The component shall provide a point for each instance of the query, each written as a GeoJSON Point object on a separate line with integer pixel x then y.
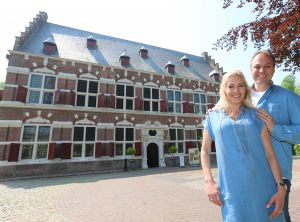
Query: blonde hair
{"type": "Point", "coordinates": [224, 102]}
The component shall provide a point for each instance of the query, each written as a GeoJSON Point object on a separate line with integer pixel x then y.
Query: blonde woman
{"type": "Point", "coordinates": [250, 186]}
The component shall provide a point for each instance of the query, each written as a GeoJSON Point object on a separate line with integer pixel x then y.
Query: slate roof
{"type": "Point", "coordinates": [71, 44]}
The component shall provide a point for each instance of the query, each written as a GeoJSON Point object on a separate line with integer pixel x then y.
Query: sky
{"type": "Point", "coordinates": [188, 26]}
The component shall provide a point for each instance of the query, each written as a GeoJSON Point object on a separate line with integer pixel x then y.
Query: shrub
{"type": "Point", "coordinates": [297, 149]}
{"type": "Point", "coordinates": [131, 151]}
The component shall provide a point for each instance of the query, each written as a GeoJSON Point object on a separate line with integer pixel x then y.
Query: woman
{"type": "Point", "coordinates": [250, 186]}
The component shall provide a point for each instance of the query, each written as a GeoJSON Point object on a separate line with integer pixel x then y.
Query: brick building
{"type": "Point", "coordinates": [75, 101]}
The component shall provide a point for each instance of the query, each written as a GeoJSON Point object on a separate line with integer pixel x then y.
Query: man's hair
{"type": "Point", "coordinates": [265, 52]}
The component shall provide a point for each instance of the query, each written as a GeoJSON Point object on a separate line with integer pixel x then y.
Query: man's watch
{"type": "Point", "coordinates": [280, 184]}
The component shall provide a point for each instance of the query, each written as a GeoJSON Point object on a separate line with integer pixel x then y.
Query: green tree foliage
{"type": "Point", "coordinates": [1, 85]}
{"type": "Point", "coordinates": [289, 82]}
{"type": "Point", "coordinates": [277, 26]}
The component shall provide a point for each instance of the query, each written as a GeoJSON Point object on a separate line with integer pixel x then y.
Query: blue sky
{"type": "Point", "coordinates": [190, 26]}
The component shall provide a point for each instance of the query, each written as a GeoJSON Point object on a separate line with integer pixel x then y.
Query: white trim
{"type": "Point", "coordinates": [124, 123]}
{"type": "Point", "coordinates": [15, 69]}
{"type": "Point", "coordinates": [88, 75]}
{"type": "Point", "coordinates": [62, 124]}
{"type": "Point", "coordinates": [106, 80]}
{"type": "Point", "coordinates": [38, 119]}
{"type": "Point", "coordinates": [10, 123]}
{"type": "Point", "coordinates": [150, 84]}
{"type": "Point", "coordinates": [43, 70]}
{"type": "Point", "coordinates": [126, 81]}
{"type": "Point", "coordinates": [187, 91]}
{"type": "Point", "coordinates": [67, 75]}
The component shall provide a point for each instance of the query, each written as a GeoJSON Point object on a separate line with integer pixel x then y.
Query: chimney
{"type": "Point", "coordinates": [91, 42]}
{"type": "Point", "coordinates": [49, 46]}
{"type": "Point", "coordinates": [170, 67]}
{"type": "Point", "coordinates": [124, 58]}
{"type": "Point", "coordinates": [215, 76]}
{"type": "Point", "coordinates": [143, 52]}
{"type": "Point", "coordinates": [185, 61]}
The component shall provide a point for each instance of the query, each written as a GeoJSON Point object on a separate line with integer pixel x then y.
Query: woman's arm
{"type": "Point", "coordinates": [277, 198]}
{"type": "Point", "coordinates": [211, 186]}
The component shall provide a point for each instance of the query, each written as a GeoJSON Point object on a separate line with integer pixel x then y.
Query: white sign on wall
{"type": "Point", "coordinates": [194, 157]}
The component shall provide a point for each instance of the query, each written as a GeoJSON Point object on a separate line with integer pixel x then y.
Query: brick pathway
{"type": "Point", "coordinates": [169, 194]}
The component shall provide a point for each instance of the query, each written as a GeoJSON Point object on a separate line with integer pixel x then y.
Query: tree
{"type": "Point", "coordinates": [277, 26]}
{"type": "Point", "coordinates": [1, 85]}
{"type": "Point", "coordinates": [289, 82]}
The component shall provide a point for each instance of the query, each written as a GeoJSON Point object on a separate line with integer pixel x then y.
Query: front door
{"type": "Point", "coordinates": [152, 155]}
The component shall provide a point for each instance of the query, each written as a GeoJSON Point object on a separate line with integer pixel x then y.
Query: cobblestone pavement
{"type": "Point", "coordinates": [153, 195]}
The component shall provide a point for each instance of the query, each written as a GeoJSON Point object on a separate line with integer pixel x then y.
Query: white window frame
{"type": "Point", "coordinates": [151, 100]}
{"type": "Point", "coordinates": [35, 143]}
{"type": "Point", "coordinates": [83, 143]}
{"type": "Point", "coordinates": [200, 104]}
{"type": "Point", "coordinates": [124, 142]}
{"type": "Point", "coordinates": [125, 98]}
{"type": "Point", "coordinates": [174, 102]}
{"type": "Point", "coordinates": [87, 94]}
{"type": "Point", "coordinates": [42, 89]}
{"type": "Point", "coordinates": [177, 141]}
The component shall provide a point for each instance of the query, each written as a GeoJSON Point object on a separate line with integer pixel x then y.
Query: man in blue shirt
{"type": "Point", "coordinates": [280, 111]}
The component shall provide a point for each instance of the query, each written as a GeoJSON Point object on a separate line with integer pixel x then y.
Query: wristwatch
{"type": "Point", "coordinates": [281, 184]}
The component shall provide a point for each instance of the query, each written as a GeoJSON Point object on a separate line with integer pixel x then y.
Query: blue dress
{"type": "Point", "coordinates": [245, 179]}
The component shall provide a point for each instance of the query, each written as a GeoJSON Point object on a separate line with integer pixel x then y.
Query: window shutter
{"type": "Point", "coordinates": [98, 150]}
{"type": "Point", "coordinates": [185, 107]}
{"type": "Point", "coordinates": [166, 145]}
{"type": "Point", "coordinates": [71, 98]}
{"type": "Point", "coordinates": [51, 154]}
{"type": "Point", "coordinates": [112, 102]}
{"type": "Point", "coordinates": [191, 108]}
{"type": "Point", "coordinates": [57, 97]}
{"type": "Point", "coordinates": [21, 94]}
{"type": "Point", "coordinates": [101, 100]}
{"type": "Point", "coordinates": [66, 150]}
{"type": "Point", "coordinates": [14, 152]}
{"type": "Point", "coordinates": [138, 147]}
{"type": "Point", "coordinates": [163, 106]}
{"type": "Point", "coordinates": [111, 149]}
{"type": "Point", "coordinates": [138, 103]}
{"type": "Point", "coordinates": [188, 145]}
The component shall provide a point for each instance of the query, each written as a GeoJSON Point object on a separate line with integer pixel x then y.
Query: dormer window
{"type": "Point", "coordinates": [215, 76]}
{"type": "Point", "coordinates": [124, 58]}
{"type": "Point", "coordinates": [170, 67]}
{"type": "Point", "coordinates": [91, 42]}
{"type": "Point", "coordinates": [143, 52]}
{"type": "Point", "coordinates": [185, 60]}
{"type": "Point", "coordinates": [49, 46]}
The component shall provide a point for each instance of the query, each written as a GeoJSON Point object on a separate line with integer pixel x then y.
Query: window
{"type": "Point", "coordinates": [124, 97]}
{"type": "Point", "coordinates": [174, 101]}
{"type": "Point", "coordinates": [177, 138]}
{"type": "Point", "coordinates": [124, 138]}
{"type": "Point", "coordinates": [83, 141]}
{"type": "Point", "coordinates": [87, 91]}
{"type": "Point", "coordinates": [199, 133]}
{"type": "Point", "coordinates": [151, 99]}
{"type": "Point", "coordinates": [200, 103]}
{"type": "Point", "coordinates": [41, 89]}
{"type": "Point", "coordinates": [35, 142]}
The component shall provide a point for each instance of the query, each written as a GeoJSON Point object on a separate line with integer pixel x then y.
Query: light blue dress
{"type": "Point", "coordinates": [245, 179]}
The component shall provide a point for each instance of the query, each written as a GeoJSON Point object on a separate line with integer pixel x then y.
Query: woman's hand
{"type": "Point", "coordinates": [213, 193]}
{"type": "Point", "coordinates": [278, 199]}
{"type": "Point", "coordinates": [266, 118]}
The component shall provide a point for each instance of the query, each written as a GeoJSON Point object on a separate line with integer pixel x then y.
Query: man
{"type": "Point", "coordinates": [280, 110]}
